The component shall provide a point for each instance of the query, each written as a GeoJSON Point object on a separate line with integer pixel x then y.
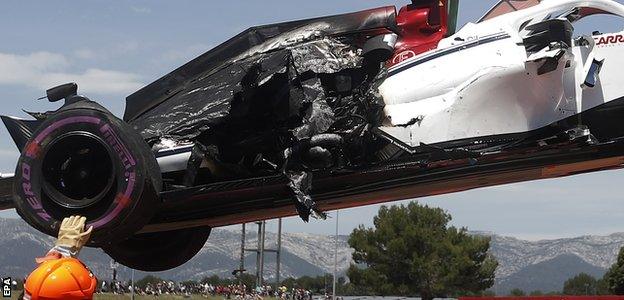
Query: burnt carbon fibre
{"type": "Point", "coordinates": [167, 86]}
{"type": "Point", "coordinates": [238, 201]}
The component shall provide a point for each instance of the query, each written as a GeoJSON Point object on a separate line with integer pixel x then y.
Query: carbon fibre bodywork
{"type": "Point", "coordinates": [370, 21]}
{"type": "Point", "coordinates": [546, 153]}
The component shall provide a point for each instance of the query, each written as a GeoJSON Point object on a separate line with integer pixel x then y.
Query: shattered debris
{"type": "Point", "coordinates": [318, 116]}
{"type": "Point", "coordinates": [325, 56]}
{"type": "Point", "coordinates": [306, 107]}
{"type": "Point", "coordinates": [300, 183]}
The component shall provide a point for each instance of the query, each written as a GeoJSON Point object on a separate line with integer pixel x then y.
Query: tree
{"type": "Point", "coordinates": [212, 280]}
{"type": "Point", "coordinates": [614, 279]}
{"type": "Point", "coordinates": [517, 292]}
{"type": "Point", "coordinates": [247, 279]}
{"type": "Point", "coordinates": [289, 282]}
{"type": "Point", "coordinates": [189, 283]}
{"type": "Point", "coordinates": [536, 293]}
{"type": "Point", "coordinates": [412, 251]}
{"type": "Point", "coordinates": [602, 287]}
{"type": "Point", "coordinates": [318, 284]}
{"type": "Point", "coordinates": [581, 284]}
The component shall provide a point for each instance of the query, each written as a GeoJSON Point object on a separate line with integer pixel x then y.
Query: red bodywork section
{"type": "Point", "coordinates": [421, 27]}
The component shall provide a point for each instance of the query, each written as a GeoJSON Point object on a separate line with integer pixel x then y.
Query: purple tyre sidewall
{"type": "Point", "coordinates": [34, 206]}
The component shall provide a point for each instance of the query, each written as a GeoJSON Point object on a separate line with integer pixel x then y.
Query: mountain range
{"type": "Point", "coordinates": [528, 265]}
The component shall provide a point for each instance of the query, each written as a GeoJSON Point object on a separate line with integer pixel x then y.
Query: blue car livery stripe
{"type": "Point", "coordinates": [436, 54]}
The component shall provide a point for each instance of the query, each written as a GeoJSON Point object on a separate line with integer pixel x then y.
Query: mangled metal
{"type": "Point", "coordinates": [269, 38]}
{"type": "Point", "coordinates": [305, 98]}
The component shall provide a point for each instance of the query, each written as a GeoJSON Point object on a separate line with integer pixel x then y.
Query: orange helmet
{"type": "Point", "coordinates": [65, 278]}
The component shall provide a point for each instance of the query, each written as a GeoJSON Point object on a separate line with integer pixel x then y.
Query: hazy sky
{"type": "Point", "coordinates": [112, 48]}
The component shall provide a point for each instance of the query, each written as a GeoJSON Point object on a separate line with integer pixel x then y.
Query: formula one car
{"type": "Point", "coordinates": [334, 112]}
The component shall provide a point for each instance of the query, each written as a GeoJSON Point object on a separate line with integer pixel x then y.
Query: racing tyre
{"type": "Point", "coordinates": [84, 161]}
{"type": "Point", "coordinates": [153, 252]}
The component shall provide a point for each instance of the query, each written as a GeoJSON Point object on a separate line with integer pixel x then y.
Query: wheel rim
{"type": "Point", "coordinates": [77, 170]}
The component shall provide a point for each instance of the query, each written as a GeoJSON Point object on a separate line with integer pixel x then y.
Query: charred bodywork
{"type": "Point", "coordinates": [335, 112]}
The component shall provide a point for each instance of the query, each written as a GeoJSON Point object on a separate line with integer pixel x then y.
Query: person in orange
{"type": "Point", "coordinates": [60, 275]}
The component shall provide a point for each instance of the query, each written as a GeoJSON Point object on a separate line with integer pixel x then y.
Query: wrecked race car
{"type": "Point", "coordinates": [335, 112]}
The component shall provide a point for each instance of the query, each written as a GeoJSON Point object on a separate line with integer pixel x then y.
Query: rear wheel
{"type": "Point", "coordinates": [84, 161]}
{"type": "Point", "coordinates": [153, 252]}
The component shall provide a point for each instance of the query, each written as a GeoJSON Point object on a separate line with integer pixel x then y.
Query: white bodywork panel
{"type": "Point", "coordinates": [481, 81]}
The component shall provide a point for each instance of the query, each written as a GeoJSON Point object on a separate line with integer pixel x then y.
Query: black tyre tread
{"type": "Point", "coordinates": [161, 251]}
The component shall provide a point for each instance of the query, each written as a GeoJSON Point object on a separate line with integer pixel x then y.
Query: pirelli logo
{"type": "Point", "coordinates": [113, 140]}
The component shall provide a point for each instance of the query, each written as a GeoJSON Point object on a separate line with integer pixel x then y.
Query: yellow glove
{"type": "Point", "coordinates": [72, 234]}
